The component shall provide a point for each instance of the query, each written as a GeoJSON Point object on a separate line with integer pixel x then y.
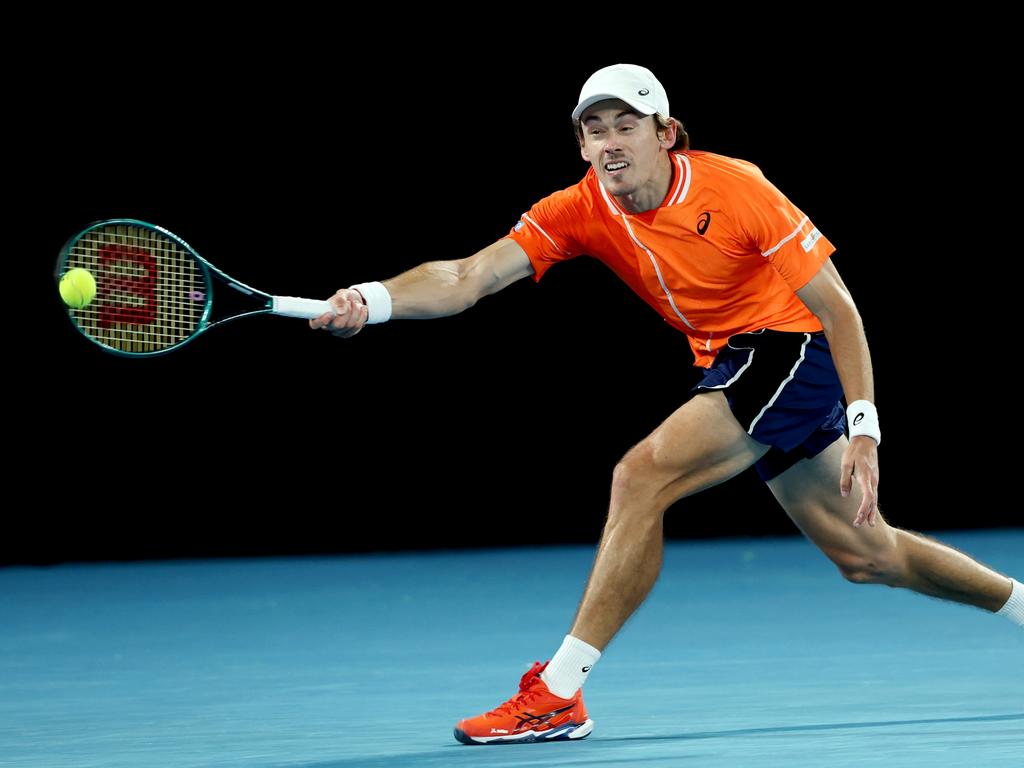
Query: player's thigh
{"type": "Point", "coordinates": [701, 444]}
{"type": "Point", "coordinates": [809, 492]}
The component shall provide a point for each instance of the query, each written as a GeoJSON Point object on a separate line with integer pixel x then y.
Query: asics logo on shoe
{"type": "Point", "coordinates": [586, 668]}
{"type": "Point", "coordinates": [527, 719]}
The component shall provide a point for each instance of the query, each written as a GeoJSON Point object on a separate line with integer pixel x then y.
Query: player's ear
{"type": "Point", "coordinates": [583, 151]}
{"type": "Point", "coordinates": [667, 136]}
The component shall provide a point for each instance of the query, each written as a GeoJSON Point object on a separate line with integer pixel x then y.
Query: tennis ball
{"type": "Point", "coordinates": [77, 287]}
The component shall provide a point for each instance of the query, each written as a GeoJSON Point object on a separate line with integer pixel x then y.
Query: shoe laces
{"type": "Point", "coordinates": [528, 690]}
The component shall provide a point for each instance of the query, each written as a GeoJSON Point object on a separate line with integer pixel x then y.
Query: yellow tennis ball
{"type": "Point", "coordinates": [77, 287]}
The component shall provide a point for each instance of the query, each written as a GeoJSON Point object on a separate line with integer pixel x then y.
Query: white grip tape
{"type": "Point", "coordinates": [377, 300]}
{"type": "Point", "coordinates": [862, 417]}
{"type": "Point", "coordinates": [292, 306]}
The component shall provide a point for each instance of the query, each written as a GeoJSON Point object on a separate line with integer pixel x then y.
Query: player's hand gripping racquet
{"type": "Point", "coordinates": [154, 293]}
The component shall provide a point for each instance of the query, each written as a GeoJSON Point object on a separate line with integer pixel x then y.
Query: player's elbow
{"type": "Point", "coordinates": [476, 279]}
{"type": "Point", "coordinates": [449, 286]}
{"type": "Point", "coordinates": [839, 313]}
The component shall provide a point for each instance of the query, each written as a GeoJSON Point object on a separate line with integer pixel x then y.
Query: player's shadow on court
{"type": "Point", "coordinates": [820, 727]}
{"type": "Point", "coordinates": [552, 754]}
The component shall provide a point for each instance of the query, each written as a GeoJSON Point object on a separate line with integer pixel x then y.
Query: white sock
{"type": "Point", "coordinates": [569, 667]}
{"type": "Point", "coordinates": [1014, 608]}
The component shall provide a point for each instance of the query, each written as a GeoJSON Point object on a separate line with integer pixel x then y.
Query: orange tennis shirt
{"type": "Point", "coordinates": [723, 253]}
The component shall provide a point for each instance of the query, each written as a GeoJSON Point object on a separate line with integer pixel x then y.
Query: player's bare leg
{"type": "Point", "coordinates": [698, 446]}
{"type": "Point", "coordinates": [809, 492]}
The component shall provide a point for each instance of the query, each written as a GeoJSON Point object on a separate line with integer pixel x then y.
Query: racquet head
{"type": "Point", "coordinates": [153, 291]}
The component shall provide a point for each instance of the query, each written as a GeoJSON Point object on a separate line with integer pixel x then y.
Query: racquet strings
{"type": "Point", "coordinates": [151, 293]}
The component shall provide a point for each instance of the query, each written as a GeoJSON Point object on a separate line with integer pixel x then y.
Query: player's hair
{"type": "Point", "coordinates": [662, 122]}
{"type": "Point", "coordinates": [682, 137]}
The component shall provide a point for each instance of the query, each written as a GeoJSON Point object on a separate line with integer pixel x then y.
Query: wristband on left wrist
{"type": "Point", "coordinates": [862, 417]}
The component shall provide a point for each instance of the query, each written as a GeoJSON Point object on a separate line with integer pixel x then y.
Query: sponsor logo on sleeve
{"type": "Point", "coordinates": [808, 242]}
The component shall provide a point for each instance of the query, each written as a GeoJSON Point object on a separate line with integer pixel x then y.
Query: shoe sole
{"type": "Point", "coordinates": [568, 732]}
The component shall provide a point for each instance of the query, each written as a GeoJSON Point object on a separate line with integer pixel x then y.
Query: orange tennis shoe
{"type": "Point", "coordinates": [533, 714]}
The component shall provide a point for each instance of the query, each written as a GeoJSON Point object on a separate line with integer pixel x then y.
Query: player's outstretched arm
{"type": "Point", "coordinates": [433, 289]}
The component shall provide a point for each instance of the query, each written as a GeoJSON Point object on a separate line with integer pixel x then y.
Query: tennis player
{"type": "Point", "coordinates": [720, 253]}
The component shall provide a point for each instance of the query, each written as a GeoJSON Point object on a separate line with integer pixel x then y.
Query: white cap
{"type": "Point", "coordinates": [637, 86]}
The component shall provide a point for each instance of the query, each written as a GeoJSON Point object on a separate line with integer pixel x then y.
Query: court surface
{"type": "Point", "coordinates": [747, 653]}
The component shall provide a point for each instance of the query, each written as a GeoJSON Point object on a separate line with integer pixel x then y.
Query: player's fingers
{"type": "Point", "coordinates": [845, 476]}
{"type": "Point", "coordinates": [866, 510]}
{"type": "Point", "coordinates": [862, 513]}
{"type": "Point", "coordinates": [321, 322]}
{"type": "Point", "coordinates": [348, 314]}
{"type": "Point", "coordinates": [866, 514]}
{"type": "Point", "coordinates": [357, 315]}
{"type": "Point", "coordinates": [357, 319]}
{"type": "Point", "coordinates": [341, 304]}
{"type": "Point", "coordinates": [345, 333]}
{"type": "Point", "coordinates": [873, 512]}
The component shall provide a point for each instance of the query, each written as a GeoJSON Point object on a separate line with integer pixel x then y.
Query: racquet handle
{"type": "Point", "coordinates": [292, 306]}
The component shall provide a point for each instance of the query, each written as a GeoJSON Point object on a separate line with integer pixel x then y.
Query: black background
{"type": "Point", "coordinates": [299, 166]}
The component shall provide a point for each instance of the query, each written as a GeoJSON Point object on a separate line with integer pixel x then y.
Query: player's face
{"type": "Point", "coordinates": [622, 147]}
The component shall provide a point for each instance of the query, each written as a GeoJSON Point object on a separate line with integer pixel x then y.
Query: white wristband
{"type": "Point", "coordinates": [863, 419]}
{"type": "Point", "coordinates": [377, 300]}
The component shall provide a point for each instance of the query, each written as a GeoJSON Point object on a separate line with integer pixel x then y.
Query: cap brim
{"type": "Point", "coordinates": [643, 107]}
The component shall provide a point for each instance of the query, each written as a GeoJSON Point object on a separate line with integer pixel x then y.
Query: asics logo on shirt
{"type": "Point", "coordinates": [703, 223]}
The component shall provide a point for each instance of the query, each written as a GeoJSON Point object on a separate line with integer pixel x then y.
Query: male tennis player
{"type": "Point", "coordinates": [727, 259]}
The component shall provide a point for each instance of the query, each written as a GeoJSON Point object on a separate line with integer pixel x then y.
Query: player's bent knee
{"type": "Point", "coordinates": [636, 478]}
{"type": "Point", "coordinates": [860, 569]}
{"type": "Point", "coordinates": [631, 475]}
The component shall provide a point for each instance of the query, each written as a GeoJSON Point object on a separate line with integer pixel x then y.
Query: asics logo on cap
{"type": "Point", "coordinates": [586, 668]}
{"type": "Point", "coordinates": [635, 85]}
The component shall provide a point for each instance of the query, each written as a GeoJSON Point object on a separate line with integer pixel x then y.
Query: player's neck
{"type": "Point", "coordinates": [652, 194]}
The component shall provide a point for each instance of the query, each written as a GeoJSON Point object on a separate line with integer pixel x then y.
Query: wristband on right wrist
{"type": "Point", "coordinates": [377, 300]}
{"type": "Point", "coordinates": [863, 419]}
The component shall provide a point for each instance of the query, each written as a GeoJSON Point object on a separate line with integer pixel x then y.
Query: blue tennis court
{"type": "Point", "coordinates": [748, 653]}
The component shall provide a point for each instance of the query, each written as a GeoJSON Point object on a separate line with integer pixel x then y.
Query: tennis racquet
{"type": "Point", "coordinates": [154, 293]}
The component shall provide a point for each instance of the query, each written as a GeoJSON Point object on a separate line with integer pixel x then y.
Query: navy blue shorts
{"type": "Point", "coordinates": [783, 389]}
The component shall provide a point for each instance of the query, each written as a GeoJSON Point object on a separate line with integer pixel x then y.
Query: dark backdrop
{"type": "Point", "coordinates": [300, 167]}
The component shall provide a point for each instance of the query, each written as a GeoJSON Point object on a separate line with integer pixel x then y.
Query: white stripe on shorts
{"type": "Point", "coordinates": [792, 373]}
